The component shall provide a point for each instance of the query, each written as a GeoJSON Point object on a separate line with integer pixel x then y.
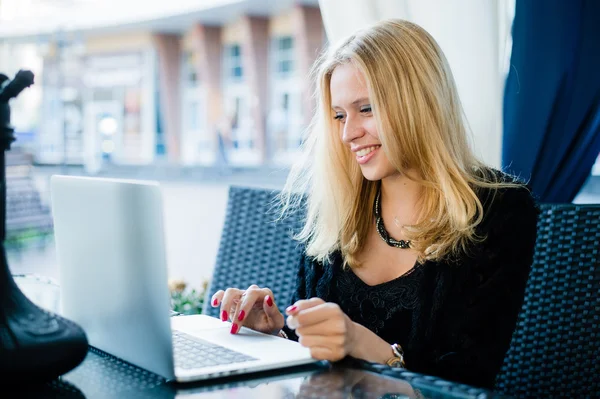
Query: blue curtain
{"type": "Point", "coordinates": [552, 96]}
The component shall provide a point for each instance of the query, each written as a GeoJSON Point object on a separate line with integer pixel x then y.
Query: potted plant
{"type": "Point", "coordinates": [187, 300]}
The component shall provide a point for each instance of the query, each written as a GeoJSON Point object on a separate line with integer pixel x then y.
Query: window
{"type": "Point", "coordinates": [190, 72]}
{"type": "Point", "coordinates": [233, 62]}
{"type": "Point", "coordinates": [283, 56]}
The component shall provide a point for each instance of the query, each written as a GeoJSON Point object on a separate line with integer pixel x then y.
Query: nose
{"type": "Point", "coordinates": [353, 130]}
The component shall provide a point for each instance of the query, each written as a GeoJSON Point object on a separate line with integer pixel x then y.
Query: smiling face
{"type": "Point", "coordinates": [357, 124]}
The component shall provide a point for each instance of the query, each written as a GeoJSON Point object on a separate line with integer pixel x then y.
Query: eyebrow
{"type": "Point", "coordinates": [357, 101]}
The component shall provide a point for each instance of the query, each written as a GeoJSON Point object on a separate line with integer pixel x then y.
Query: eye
{"type": "Point", "coordinates": [366, 109]}
{"type": "Point", "coordinates": [339, 116]}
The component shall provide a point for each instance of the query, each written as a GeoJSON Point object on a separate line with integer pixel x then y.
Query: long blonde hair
{"type": "Point", "coordinates": [421, 126]}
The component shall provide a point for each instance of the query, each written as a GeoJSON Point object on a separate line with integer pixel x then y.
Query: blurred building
{"type": "Point", "coordinates": [191, 84]}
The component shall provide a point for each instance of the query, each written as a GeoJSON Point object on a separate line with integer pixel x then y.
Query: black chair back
{"type": "Point", "coordinates": [256, 248]}
{"type": "Point", "coordinates": [556, 345]}
{"type": "Point", "coordinates": [555, 350]}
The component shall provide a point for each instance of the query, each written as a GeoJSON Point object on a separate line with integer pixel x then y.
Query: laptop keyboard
{"type": "Point", "coordinates": [191, 353]}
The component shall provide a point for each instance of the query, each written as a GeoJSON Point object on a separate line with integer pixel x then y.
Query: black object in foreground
{"type": "Point", "coordinates": [35, 345]}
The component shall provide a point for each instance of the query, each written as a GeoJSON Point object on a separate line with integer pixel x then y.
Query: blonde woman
{"type": "Point", "coordinates": [416, 253]}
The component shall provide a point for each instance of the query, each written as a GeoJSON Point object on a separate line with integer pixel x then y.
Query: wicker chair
{"type": "Point", "coordinates": [255, 248]}
{"type": "Point", "coordinates": [555, 350]}
{"type": "Point", "coordinates": [556, 346]}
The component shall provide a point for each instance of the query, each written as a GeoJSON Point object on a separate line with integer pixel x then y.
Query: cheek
{"type": "Point", "coordinates": [371, 127]}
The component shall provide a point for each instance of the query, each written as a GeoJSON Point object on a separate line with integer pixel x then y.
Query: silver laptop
{"type": "Point", "coordinates": [113, 279]}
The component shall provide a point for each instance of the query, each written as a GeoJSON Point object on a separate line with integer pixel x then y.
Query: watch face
{"type": "Point", "coordinates": [395, 362]}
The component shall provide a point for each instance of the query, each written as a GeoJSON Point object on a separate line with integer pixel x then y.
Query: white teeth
{"type": "Point", "coordinates": [365, 151]}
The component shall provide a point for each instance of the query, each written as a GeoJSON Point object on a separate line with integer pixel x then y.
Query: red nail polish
{"type": "Point", "coordinates": [291, 309]}
{"type": "Point", "coordinates": [224, 316]}
{"type": "Point", "coordinates": [234, 328]}
{"type": "Point", "coordinates": [269, 301]}
{"type": "Point", "coordinates": [215, 301]}
{"type": "Point", "coordinates": [241, 315]}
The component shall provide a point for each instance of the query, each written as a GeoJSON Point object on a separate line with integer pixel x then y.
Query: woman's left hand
{"type": "Point", "coordinates": [323, 328]}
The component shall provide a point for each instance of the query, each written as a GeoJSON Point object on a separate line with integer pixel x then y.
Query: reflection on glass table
{"type": "Point", "coordinates": [338, 381]}
{"type": "Point", "coordinates": [329, 383]}
{"type": "Point", "coordinates": [102, 376]}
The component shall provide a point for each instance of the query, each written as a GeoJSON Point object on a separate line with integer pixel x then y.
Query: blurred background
{"type": "Point", "coordinates": [202, 94]}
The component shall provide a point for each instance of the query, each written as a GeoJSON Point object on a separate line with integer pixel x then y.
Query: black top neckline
{"type": "Point", "coordinates": [406, 274]}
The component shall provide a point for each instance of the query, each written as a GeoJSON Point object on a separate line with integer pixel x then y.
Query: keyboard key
{"type": "Point", "coordinates": [191, 353]}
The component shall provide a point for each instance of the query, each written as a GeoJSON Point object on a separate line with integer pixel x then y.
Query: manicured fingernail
{"type": "Point", "coordinates": [234, 328]}
{"type": "Point", "coordinates": [291, 309]}
{"type": "Point", "coordinates": [215, 302]}
{"type": "Point", "coordinates": [269, 301]}
{"type": "Point", "coordinates": [241, 315]}
{"type": "Point", "coordinates": [224, 316]}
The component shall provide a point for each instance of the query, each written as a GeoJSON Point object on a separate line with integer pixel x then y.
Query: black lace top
{"type": "Point", "coordinates": [386, 309]}
{"type": "Point", "coordinates": [454, 319]}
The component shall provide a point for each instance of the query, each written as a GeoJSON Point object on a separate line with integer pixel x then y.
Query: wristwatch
{"type": "Point", "coordinates": [398, 359]}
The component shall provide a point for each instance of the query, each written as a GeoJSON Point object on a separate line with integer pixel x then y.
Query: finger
{"type": "Point", "coordinates": [252, 295]}
{"type": "Point", "coordinates": [317, 314]}
{"type": "Point", "coordinates": [322, 353]}
{"type": "Point", "coordinates": [217, 298]}
{"type": "Point", "coordinates": [269, 304]}
{"type": "Point", "coordinates": [333, 342]}
{"type": "Point", "coordinates": [313, 315]}
{"type": "Point", "coordinates": [228, 302]}
{"type": "Point", "coordinates": [304, 304]}
{"type": "Point", "coordinates": [327, 327]}
{"type": "Point", "coordinates": [271, 310]}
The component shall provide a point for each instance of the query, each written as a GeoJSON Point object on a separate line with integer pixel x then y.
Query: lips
{"type": "Point", "coordinates": [365, 154]}
{"type": "Point", "coordinates": [365, 151]}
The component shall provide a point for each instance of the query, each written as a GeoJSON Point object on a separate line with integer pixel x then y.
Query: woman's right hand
{"type": "Point", "coordinates": [254, 308]}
